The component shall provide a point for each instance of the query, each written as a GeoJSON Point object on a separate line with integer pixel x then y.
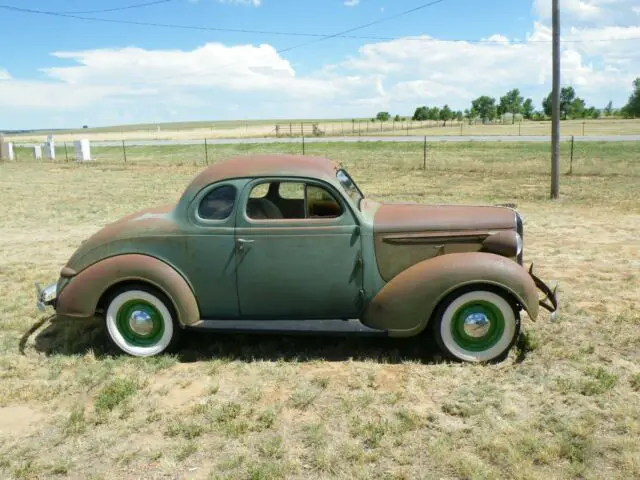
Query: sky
{"type": "Point", "coordinates": [64, 72]}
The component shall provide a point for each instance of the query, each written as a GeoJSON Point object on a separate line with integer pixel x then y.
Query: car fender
{"type": "Point", "coordinates": [405, 304]}
{"type": "Point", "coordinates": [81, 296]}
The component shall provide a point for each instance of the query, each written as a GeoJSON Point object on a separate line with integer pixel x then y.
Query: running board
{"type": "Point", "coordinates": [289, 327]}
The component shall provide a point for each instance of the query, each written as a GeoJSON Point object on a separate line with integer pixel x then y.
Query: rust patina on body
{"type": "Point", "coordinates": [307, 253]}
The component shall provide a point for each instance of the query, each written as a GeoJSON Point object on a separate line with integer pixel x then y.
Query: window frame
{"type": "Point", "coordinates": [347, 215]}
{"type": "Point", "coordinates": [202, 194]}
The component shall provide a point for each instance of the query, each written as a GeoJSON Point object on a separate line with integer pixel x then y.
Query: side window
{"type": "Point", "coordinates": [321, 203]}
{"type": "Point", "coordinates": [218, 203]}
{"type": "Point", "coordinates": [291, 191]}
{"type": "Point", "coordinates": [260, 191]}
{"type": "Point", "coordinates": [291, 200]}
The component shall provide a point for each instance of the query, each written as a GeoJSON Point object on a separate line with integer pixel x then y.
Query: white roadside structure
{"type": "Point", "coordinates": [6, 150]}
{"type": "Point", "coordinates": [83, 150]}
{"type": "Point", "coordinates": [50, 148]}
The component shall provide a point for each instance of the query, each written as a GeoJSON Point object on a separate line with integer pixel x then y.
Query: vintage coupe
{"type": "Point", "coordinates": [290, 244]}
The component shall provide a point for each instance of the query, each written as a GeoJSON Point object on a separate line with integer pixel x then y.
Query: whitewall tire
{"type": "Point", "coordinates": [476, 325]}
{"type": "Point", "coordinates": [140, 321]}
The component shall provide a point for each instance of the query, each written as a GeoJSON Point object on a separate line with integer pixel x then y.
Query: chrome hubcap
{"type": "Point", "coordinates": [140, 322]}
{"type": "Point", "coordinates": [477, 325]}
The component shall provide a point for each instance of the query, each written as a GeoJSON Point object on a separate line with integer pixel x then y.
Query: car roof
{"type": "Point", "coordinates": [266, 166]}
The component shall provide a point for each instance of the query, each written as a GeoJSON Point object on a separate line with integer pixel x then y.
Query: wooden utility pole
{"type": "Point", "coordinates": [555, 102]}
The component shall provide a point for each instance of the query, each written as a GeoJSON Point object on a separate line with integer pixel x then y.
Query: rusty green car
{"type": "Point", "coordinates": [287, 244]}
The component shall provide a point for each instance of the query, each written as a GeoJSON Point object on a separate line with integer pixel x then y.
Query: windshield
{"type": "Point", "coordinates": [350, 187]}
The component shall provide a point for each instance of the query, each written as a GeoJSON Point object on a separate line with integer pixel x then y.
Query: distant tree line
{"type": "Point", "coordinates": [487, 109]}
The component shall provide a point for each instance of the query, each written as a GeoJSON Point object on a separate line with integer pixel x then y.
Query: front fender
{"type": "Point", "coordinates": [80, 297]}
{"type": "Point", "coordinates": [405, 305]}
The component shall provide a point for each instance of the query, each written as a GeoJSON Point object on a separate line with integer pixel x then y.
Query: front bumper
{"type": "Point", "coordinates": [550, 300]}
{"type": "Point", "coordinates": [46, 296]}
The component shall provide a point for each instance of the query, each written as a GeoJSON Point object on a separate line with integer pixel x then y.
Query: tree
{"type": "Point", "coordinates": [383, 116]}
{"type": "Point", "coordinates": [434, 114]}
{"type": "Point", "coordinates": [578, 108]}
{"type": "Point", "coordinates": [632, 108]}
{"type": "Point", "coordinates": [396, 118]}
{"type": "Point", "coordinates": [446, 114]}
{"type": "Point", "coordinates": [608, 110]}
{"type": "Point", "coordinates": [538, 116]}
{"type": "Point", "coordinates": [592, 112]}
{"type": "Point", "coordinates": [421, 113]}
{"type": "Point", "coordinates": [511, 103]}
{"type": "Point", "coordinates": [484, 107]}
{"type": "Point", "coordinates": [567, 99]}
{"type": "Point", "coordinates": [527, 109]}
{"type": "Point", "coordinates": [459, 115]}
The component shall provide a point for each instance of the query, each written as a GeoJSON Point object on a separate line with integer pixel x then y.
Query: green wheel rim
{"type": "Point", "coordinates": [141, 340]}
{"type": "Point", "coordinates": [490, 338]}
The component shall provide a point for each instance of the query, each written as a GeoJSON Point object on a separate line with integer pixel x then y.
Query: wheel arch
{"type": "Point", "coordinates": [134, 283]}
{"type": "Point", "coordinates": [508, 294]}
{"type": "Point", "coordinates": [405, 305]}
{"type": "Point", "coordinates": [82, 297]}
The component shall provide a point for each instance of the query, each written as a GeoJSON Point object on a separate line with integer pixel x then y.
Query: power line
{"type": "Point", "coordinates": [360, 27]}
{"type": "Point", "coordinates": [318, 36]}
{"type": "Point", "coordinates": [116, 9]}
{"type": "Point", "coordinates": [353, 29]}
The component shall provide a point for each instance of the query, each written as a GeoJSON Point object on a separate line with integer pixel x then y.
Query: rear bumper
{"type": "Point", "coordinates": [550, 300]}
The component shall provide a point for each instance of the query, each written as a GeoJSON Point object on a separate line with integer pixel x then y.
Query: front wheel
{"type": "Point", "coordinates": [140, 321]}
{"type": "Point", "coordinates": [476, 326]}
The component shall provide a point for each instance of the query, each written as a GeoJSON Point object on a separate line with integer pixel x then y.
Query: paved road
{"type": "Point", "coordinates": [406, 138]}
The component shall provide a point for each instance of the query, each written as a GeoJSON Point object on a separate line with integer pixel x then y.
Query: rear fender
{"type": "Point", "coordinates": [81, 296]}
{"type": "Point", "coordinates": [405, 305]}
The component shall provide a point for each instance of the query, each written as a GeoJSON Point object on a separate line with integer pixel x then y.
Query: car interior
{"type": "Point", "coordinates": [283, 200]}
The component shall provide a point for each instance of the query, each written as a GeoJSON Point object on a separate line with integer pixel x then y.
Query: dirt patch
{"type": "Point", "coordinates": [16, 419]}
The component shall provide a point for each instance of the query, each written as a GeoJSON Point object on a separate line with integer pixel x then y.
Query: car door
{"type": "Point", "coordinates": [290, 264]}
{"type": "Point", "coordinates": [209, 257]}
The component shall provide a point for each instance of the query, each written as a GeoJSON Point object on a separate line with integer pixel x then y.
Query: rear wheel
{"type": "Point", "coordinates": [140, 321]}
{"type": "Point", "coordinates": [479, 325]}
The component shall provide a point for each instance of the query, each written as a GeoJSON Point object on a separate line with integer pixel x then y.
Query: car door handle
{"type": "Point", "coordinates": [241, 242]}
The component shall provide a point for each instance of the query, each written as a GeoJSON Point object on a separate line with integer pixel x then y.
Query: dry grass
{"type": "Point", "coordinates": [266, 128]}
{"type": "Point", "coordinates": [562, 406]}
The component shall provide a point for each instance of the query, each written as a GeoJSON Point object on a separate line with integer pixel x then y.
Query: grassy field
{"type": "Point", "coordinates": [563, 405]}
{"type": "Point", "coordinates": [267, 128]}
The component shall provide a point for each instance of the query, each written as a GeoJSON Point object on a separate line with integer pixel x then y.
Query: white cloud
{"type": "Point", "coordinates": [215, 80]}
{"type": "Point", "coordinates": [255, 3]}
{"type": "Point", "coordinates": [588, 11]}
{"type": "Point", "coordinates": [351, 3]}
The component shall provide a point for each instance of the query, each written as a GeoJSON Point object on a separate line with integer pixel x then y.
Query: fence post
{"type": "Point", "coordinates": [66, 153]}
{"type": "Point", "coordinates": [303, 149]}
{"type": "Point", "coordinates": [583, 128]}
{"type": "Point", "coordinates": [519, 128]}
{"type": "Point", "coordinates": [424, 156]}
{"type": "Point", "coordinates": [206, 153]}
{"type": "Point", "coordinates": [571, 160]}
{"type": "Point", "coordinates": [124, 151]}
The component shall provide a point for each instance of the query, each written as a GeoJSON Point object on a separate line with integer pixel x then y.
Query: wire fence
{"type": "Point", "coordinates": [453, 127]}
{"type": "Point", "coordinates": [577, 158]}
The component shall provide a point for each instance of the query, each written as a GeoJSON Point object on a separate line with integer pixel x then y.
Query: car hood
{"type": "Point", "coordinates": [392, 218]}
{"type": "Point", "coordinates": [157, 221]}
{"type": "Point", "coordinates": [408, 234]}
